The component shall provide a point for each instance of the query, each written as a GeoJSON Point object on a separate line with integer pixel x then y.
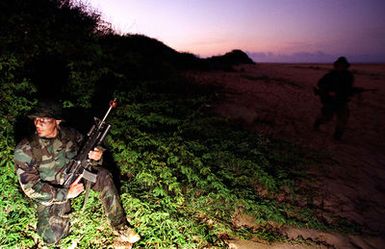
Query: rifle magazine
{"type": "Point", "coordinates": [89, 176]}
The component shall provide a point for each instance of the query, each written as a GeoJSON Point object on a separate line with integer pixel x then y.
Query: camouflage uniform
{"type": "Point", "coordinates": [40, 163]}
{"type": "Point", "coordinates": [335, 90]}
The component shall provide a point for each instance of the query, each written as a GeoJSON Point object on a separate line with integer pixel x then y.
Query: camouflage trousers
{"type": "Point", "coordinates": [328, 111]}
{"type": "Point", "coordinates": [54, 222]}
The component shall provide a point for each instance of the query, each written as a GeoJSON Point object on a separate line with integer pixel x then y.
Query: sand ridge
{"type": "Point", "coordinates": [278, 100]}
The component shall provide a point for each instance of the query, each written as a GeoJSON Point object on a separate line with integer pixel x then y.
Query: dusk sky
{"type": "Point", "coordinates": [268, 30]}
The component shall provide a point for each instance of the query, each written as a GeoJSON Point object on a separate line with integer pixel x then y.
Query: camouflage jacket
{"type": "Point", "coordinates": [40, 163]}
{"type": "Point", "coordinates": [338, 82]}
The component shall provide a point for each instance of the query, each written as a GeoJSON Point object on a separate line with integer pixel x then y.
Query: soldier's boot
{"type": "Point", "coordinates": [126, 234]}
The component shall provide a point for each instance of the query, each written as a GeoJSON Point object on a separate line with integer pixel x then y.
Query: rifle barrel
{"type": "Point", "coordinates": [113, 104]}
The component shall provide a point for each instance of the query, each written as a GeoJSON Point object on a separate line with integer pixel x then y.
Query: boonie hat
{"type": "Point", "coordinates": [342, 61]}
{"type": "Point", "coordinates": [47, 109]}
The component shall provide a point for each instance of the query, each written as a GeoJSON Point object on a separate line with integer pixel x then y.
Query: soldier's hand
{"type": "Point", "coordinates": [95, 154]}
{"type": "Point", "coordinates": [75, 188]}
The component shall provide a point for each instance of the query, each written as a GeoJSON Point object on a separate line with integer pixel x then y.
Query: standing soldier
{"type": "Point", "coordinates": [40, 162]}
{"type": "Point", "coordinates": [335, 89]}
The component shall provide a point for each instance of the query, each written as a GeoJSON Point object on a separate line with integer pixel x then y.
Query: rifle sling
{"type": "Point", "coordinates": [87, 194]}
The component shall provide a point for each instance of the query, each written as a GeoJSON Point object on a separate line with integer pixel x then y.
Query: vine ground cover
{"type": "Point", "coordinates": [182, 172]}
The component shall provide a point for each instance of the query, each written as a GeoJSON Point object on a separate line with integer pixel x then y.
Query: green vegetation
{"type": "Point", "coordinates": [183, 172]}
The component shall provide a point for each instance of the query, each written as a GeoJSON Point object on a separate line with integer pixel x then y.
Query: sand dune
{"type": "Point", "coordinates": [278, 100]}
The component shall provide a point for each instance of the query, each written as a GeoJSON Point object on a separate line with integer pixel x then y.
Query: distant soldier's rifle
{"type": "Point", "coordinates": [355, 90]}
{"type": "Point", "coordinates": [358, 90]}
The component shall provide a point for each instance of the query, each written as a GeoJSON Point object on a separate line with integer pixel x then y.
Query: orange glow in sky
{"type": "Point", "coordinates": [278, 30]}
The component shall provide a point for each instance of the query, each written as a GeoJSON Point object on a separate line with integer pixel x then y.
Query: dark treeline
{"type": "Point", "coordinates": [57, 40]}
{"type": "Point", "coordinates": [66, 52]}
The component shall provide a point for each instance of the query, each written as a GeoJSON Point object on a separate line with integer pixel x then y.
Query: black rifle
{"type": "Point", "coordinates": [355, 90]}
{"type": "Point", "coordinates": [80, 165]}
{"type": "Point", "coordinates": [358, 90]}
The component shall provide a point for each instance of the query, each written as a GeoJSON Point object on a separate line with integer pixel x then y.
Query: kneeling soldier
{"type": "Point", "coordinates": [40, 162]}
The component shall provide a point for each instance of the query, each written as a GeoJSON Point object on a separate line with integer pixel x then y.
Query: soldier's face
{"type": "Point", "coordinates": [46, 127]}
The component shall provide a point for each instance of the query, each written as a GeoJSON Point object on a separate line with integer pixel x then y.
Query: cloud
{"type": "Point", "coordinates": [313, 57]}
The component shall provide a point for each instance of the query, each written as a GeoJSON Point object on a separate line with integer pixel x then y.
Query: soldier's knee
{"type": "Point", "coordinates": [53, 222]}
{"type": "Point", "coordinates": [49, 239]}
{"type": "Point", "coordinates": [52, 236]}
{"type": "Point", "coordinates": [104, 174]}
{"type": "Point", "coordinates": [103, 179]}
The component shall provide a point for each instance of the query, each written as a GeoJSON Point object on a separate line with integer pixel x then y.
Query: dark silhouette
{"type": "Point", "coordinates": [228, 60]}
{"type": "Point", "coordinates": [335, 89]}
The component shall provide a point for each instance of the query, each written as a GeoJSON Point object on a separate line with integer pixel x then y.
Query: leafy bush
{"type": "Point", "coordinates": [16, 217]}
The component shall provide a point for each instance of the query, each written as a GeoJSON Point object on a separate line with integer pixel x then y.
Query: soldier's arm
{"type": "Point", "coordinates": [324, 84]}
{"type": "Point", "coordinates": [30, 181]}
